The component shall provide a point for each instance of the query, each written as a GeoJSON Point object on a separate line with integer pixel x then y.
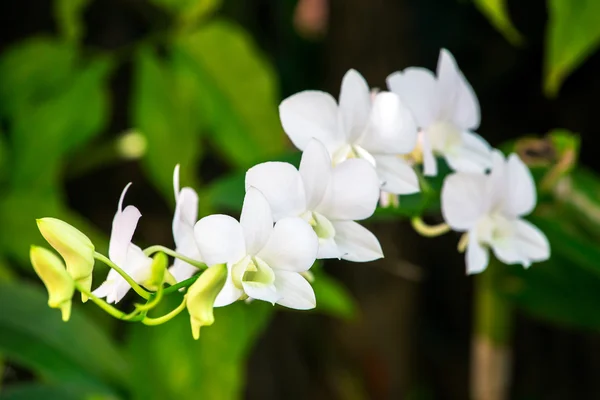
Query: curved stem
{"type": "Point", "coordinates": [133, 316]}
{"type": "Point", "coordinates": [463, 243]}
{"type": "Point", "coordinates": [154, 249]}
{"type": "Point", "coordinates": [429, 230]}
{"type": "Point", "coordinates": [167, 317]}
{"type": "Point", "coordinates": [182, 284]}
{"type": "Point", "coordinates": [154, 300]}
{"type": "Point", "coordinates": [137, 288]}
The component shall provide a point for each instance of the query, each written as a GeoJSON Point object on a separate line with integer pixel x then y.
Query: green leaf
{"type": "Point", "coordinates": [572, 35]}
{"type": "Point", "coordinates": [497, 13]}
{"type": "Point", "coordinates": [74, 348]}
{"type": "Point", "coordinates": [333, 298]}
{"type": "Point", "coordinates": [238, 96]}
{"type": "Point", "coordinates": [189, 11]}
{"type": "Point", "coordinates": [33, 72]}
{"type": "Point", "coordinates": [165, 112]}
{"type": "Point", "coordinates": [34, 391]}
{"type": "Point", "coordinates": [169, 364]}
{"type": "Point", "coordinates": [69, 19]}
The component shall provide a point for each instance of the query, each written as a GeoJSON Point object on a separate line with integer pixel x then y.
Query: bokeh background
{"type": "Point", "coordinates": [97, 93]}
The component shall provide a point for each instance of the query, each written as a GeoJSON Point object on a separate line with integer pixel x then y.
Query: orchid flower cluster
{"type": "Point", "coordinates": [366, 148]}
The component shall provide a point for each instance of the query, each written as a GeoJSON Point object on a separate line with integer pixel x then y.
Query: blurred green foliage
{"type": "Point", "coordinates": [572, 35]}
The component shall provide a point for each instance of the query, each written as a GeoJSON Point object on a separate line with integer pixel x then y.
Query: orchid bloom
{"type": "Point", "coordinates": [446, 111]}
{"type": "Point", "coordinates": [329, 198]}
{"type": "Point", "coordinates": [377, 130]}
{"type": "Point", "coordinates": [124, 254]}
{"type": "Point", "coordinates": [489, 208]}
{"type": "Point", "coordinates": [186, 215]}
{"type": "Point", "coordinates": [264, 262]}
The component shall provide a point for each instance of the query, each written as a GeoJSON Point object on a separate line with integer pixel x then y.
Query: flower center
{"type": "Point", "coordinates": [493, 228]}
{"type": "Point", "coordinates": [252, 270]}
{"type": "Point", "coordinates": [321, 225]}
{"type": "Point", "coordinates": [348, 151]}
{"type": "Point", "coordinates": [444, 136]}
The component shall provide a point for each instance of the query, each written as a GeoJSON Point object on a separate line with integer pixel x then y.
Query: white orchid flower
{"type": "Point", "coordinates": [264, 262]}
{"type": "Point", "coordinates": [447, 112]}
{"type": "Point", "coordinates": [489, 208]}
{"type": "Point", "coordinates": [186, 215]}
{"type": "Point", "coordinates": [328, 198]}
{"type": "Point", "coordinates": [377, 130]}
{"type": "Point", "coordinates": [126, 255]}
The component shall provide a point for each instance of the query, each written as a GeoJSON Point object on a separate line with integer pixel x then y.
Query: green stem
{"type": "Point", "coordinates": [429, 230]}
{"type": "Point", "coordinates": [108, 308]}
{"type": "Point", "coordinates": [154, 300]}
{"type": "Point", "coordinates": [137, 288]}
{"type": "Point", "coordinates": [185, 283]}
{"type": "Point", "coordinates": [154, 249]}
{"type": "Point", "coordinates": [165, 318]}
{"type": "Point", "coordinates": [492, 336]}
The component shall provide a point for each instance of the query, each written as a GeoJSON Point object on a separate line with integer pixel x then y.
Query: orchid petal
{"type": "Point", "coordinates": [429, 161]}
{"type": "Point", "coordinates": [463, 200]}
{"type": "Point", "coordinates": [355, 104]}
{"type": "Point", "coordinates": [256, 220]}
{"type": "Point", "coordinates": [417, 89]}
{"type": "Point", "coordinates": [474, 154]}
{"type": "Point", "coordinates": [477, 256]}
{"type": "Point", "coordinates": [293, 246]}
{"type": "Point", "coordinates": [220, 239]}
{"type": "Point", "coordinates": [521, 194]}
{"type": "Point", "coordinates": [295, 291]}
{"type": "Point", "coordinates": [396, 175]}
{"type": "Point", "coordinates": [356, 243]}
{"type": "Point", "coordinates": [230, 293]}
{"type": "Point", "coordinates": [525, 244]}
{"type": "Point", "coordinates": [315, 170]}
{"type": "Point", "coordinates": [282, 185]}
{"type": "Point", "coordinates": [123, 227]}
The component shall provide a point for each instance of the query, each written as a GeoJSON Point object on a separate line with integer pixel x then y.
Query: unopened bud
{"type": "Point", "coordinates": [158, 270]}
{"type": "Point", "coordinates": [201, 297]}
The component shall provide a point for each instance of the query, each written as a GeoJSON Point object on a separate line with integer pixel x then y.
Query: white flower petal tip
{"type": "Point", "coordinates": [491, 209]}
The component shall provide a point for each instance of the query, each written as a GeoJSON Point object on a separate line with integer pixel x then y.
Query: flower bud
{"type": "Point", "coordinates": [75, 248]}
{"type": "Point", "coordinates": [201, 297]}
{"type": "Point", "coordinates": [157, 274]}
{"type": "Point", "coordinates": [59, 283]}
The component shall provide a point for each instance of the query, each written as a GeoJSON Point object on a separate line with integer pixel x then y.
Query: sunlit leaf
{"type": "Point", "coordinates": [497, 12]}
{"type": "Point", "coordinates": [168, 363]}
{"type": "Point", "coordinates": [573, 34]}
{"type": "Point", "coordinates": [71, 350]}
{"type": "Point", "coordinates": [239, 92]}
{"type": "Point", "coordinates": [33, 391]}
{"type": "Point", "coordinates": [69, 19]}
{"type": "Point", "coordinates": [332, 297]}
{"type": "Point", "coordinates": [165, 112]}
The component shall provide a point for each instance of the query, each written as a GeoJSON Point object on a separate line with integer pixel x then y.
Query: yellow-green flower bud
{"type": "Point", "coordinates": [59, 283]}
{"type": "Point", "coordinates": [201, 297]}
{"type": "Point", "coordinates": [75, 248]}
{"type": "Point", "coordinates": [157, 274]}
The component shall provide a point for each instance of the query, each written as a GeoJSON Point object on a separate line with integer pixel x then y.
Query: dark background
{"type": "Point", "coordinates": [413, 338]}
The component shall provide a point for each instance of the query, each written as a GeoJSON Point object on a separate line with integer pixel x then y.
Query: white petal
{"type": "Point", "coordinates": [356, 243]}
{"type": "Point", "coordinates": [295, 291]}
{"type": "Point", "coordinates": [477, 257]}
{"type": "Point", "coordinates": [391, 128]}
{"type": "Point", "coordinates": [282, 185]}
{"type": "Point", "coordinates": [520, 194]}
{"type": "Point", "coordinates": [176, 181]}
{"type": "Point", "coordinates": [353, 192]}
{"type": "Point", "coordinates": [463, 200]}
{"type": "Point", "coordinates": [497, 183]}
{"type": "Point", "coordinates": [396, 175]}
{"type": "Point", "coordinates": [429, 161]}
{"type": "Point", "coordinates": [256, 220]}
{"type": "Point", "coordinates": [328, 248]}
{"type": "Point", "coordinates": [355, 104]}
{"type": "Point", "coordinates": [261, 291]}
{"type": "Point", "coordinates": [123, 227]}
{"type": "Point", "coordinates": [229, 293]}
{"type": "Point", "coordinates": [458, 100]}
{"type": "Point", "coordinates": [220, 239]}
{"type": "Point", "coordinates": [311, 114]}
{"type": "Point", "coordinates": [182, 270]}
{"type": "Point", "coordinates": [315, 170]}
{"type": "Point", "coordinates": [186, 214]}
{"type": "Point", "coordinates": [473, 155]}
{"type": "Point", "coordinates": [293, 246]}
{"type": "Point", "coordinates": [525, 244]}
{"type": "Point", "coordinates": [417, 89]}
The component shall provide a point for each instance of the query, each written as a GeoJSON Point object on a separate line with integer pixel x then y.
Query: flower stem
{"type": "Point", "coordinates": [491, 341]}
{"type": "Point", "coordinates": [165, 318]}
{"type": "Point", "coordinates": [429, 230]}
{"type": "Point", "coordinates": [154, 300]}
{"type": "Point", "coordinates": [137, 288]}
{"type": "Point", "coordinates": [463, 243]}
{"type": "Point", "coordinates": [182, 284]}
{"type": "Point", "coordinates": [133, 316]}
{"type": "Point", "coordinates": [154, 249]}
